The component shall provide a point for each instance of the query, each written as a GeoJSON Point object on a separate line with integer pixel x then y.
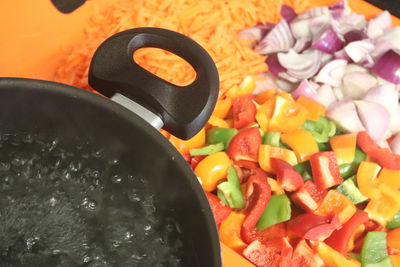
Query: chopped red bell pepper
{"type": "Point", "coordinates": [304, 256]}
{"type": "Point", "coordinates": [308, 197]}
{"type": "Point", "coordinates": [244, 111]}
{"type": "Point", "coordinates": [370, 226]}
{"type": "Point", "coordinates": [273, 232]}
{"type": "Point", "coordinates": [339, 239]}
{"type": "Point", "coordinates": [383, 156]}
{"type": "Point", "coordinates": [245, 145]}
{"type": "Point", "coordinates": [323, 231]}
{"type": "Point", "coordinates": [288, 178]}
{"type": "Point", "coordinates": [195, 160]}
{"type": "Point", "coordinates": [325, 169]}
{"type": "Point", "coordinates": [247, 164]}
{"type": "Point", "coordinates": [220, 211]}
{"type": "Point", "coordinates": [313, 227]}
{"type": "Point", "coordinates": [258, 193]}
{"type": "Point", "coordinates": [277, 253]}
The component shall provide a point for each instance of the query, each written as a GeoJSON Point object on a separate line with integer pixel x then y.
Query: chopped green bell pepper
{"type": "Point", "coordinates": [221, 135]}
{"type": "Point", "coordinates": [324, 147]}
{"type": "Point", "coordinates": [395, 222]}
{"type": "Point", "coordinates": [321, 130]}
{"type": "Point", "coordinates": [349, 169]}
{"type": "Point", "coordinates": [231, 190]}
{"type": "Point", "coordinates": [374, 250]}
{"type": "Point", "coordinates": [350, 190]}
{"type": "Point", "coordinates": [278, 210]}
{"type": "Point", "coordinates": [304, 169]}
{"type": "Point", "coordinates": [346, 170]}
{"type": "Point", "coordinates": [207, 150]}
{"type": "Point", "coordinates": [354, 256]}
{"type": "Point", "coordinates": [272, 138]}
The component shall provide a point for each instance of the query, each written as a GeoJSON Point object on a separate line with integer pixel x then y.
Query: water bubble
{"type": "Point", "coordinates": [4, 166]}
{"type": "Point", "coordinates": [89, 204]}
{"type": "Point", "coordinates": [116, 179]}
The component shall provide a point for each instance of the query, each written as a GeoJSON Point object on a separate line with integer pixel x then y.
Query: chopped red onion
{"type": "Point", "coordinates": [326, 96]}
{"type": "Point", "coordinates": [306, 88]}
{"type": "Point", "coordinates": [381, 47]}
{"type": "Point", "coordinates": [392, 36]}
{"type": "Point", "coordinates": [395, 144]}
{"type": "Point", "coordinates": [374, 117]}
{"type": "Point", "coordinates": [301, 28]}
{"type": "Point", "coordinates": [332, 73]}
{"type": "Point", "coordinates": [354, 67]}
{"type": "Point", "coordinates": [359, 49]}
{"type": "Point", "coordinates": [278, 39]}
{"type": "Point", "coordinates": [378, 25]}
{"type": "Point", "coordinates": [318, 24]}
{"type": "Point", "coordinates": [354, 19]}
{"type": "Point", "coordinates": [386, 95]}
{"type": "Point", "coordinates": [301, 66]}
{"type": "Point", "coordinates": [328, 41]}
{"type": "Point", "coordinates": [302, 44]}
{"type": "Point", "coordinates": [257, 32]}
{"type": "Point", "coordinates": [388, 66]}
{"type": "Point", "coordinates": [287, 77]}
{"type": "Point", "coordinates": [395, 122]}
{"type": "Point", "coordinates": [354, 35]}
{"type": "Point", "coordinates": [325, 58]}
{"type": "Point", "coordinates": [288, 13]}
{"type": "Point", "coordinates": [314, 12]}
{"type": "Point", "coordinates": [273, 64]}
{"type": "Point", "coordinates": [367, 61]}
{"type": "Point", "coordinates": [264, 82]}
{"type": "Point", "coordinates": [341, 54]}
{"type": "Point", "coordinates": [344, 114]}
{"type": "Point", "coordinates": [337, 9]}
{"type": "Point", "coordinates": [356, 84]}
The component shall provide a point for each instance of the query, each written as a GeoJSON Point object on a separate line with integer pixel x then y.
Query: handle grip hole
{"type": "Point", "coordinates": [165, 65]}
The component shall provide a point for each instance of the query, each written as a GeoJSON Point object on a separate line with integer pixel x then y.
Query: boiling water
{"type": "Point", "coordinates": [71, 208]}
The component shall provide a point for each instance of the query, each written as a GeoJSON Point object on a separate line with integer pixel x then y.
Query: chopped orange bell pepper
{"type": "Point", "coordinates": [184, 146]}
{"type": "Point", "coordinates": [383, 209]}
{"type": "Point", "coordinates": [286, 96]}
{"type": "Point", "coordinates": [390, 177]}
{"type": "Point", "coordinates": [229, 231]}
{"type": "Point", "coordinates": [213, 169]}
{"type": "Point", "coordinates": [275, 187]}
{"type": "Point", "coordinates": [315, 109]}
{"type": "Point", "coordinates": [266, 152]}
{"type": "Point", "coordinates": [218, 122]}
{"type": "Point", "coordinates": [333, 258]}
{"type": "Point", "coordinates": [302, 143]}
{"type": "Point", "coordinates": [344, 147]}
{"type": "Point", "coordinates": [246, 87]}
{"type": "Point", "coordinates": [335, 201]}
{"type": "Point", "coordinates": [232, 259]}
{"type": "Point", "coordinates": [287, 115]}
{"type": "Point", "coordinates": [393, 238]}
{"type": "Point", "coordinates": [395, 260]}
{"type": "Point", "coordinates": [357, 233]}
{"type": "Point", "coordinates": [264, 96]}
{"type": "Point", "coordinates": [222, 108]}
{"type": "Point", "coordinates": [264, 114]}
{"type": "Point", "coordinates": [367, 181]}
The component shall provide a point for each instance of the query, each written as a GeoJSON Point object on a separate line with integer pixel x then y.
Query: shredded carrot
{"type": "Point", "coordinates": [214, 24]}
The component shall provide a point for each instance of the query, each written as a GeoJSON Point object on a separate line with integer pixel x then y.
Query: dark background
{"type": "Point", "coordinates": [393, 6]}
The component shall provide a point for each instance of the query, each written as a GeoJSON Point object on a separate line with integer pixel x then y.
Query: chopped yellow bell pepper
{"type": "Point", "coordinates": [229, 231]}
{"type": "Point", "coordinates": [275, 187]}
{"type": "Point", "coordinates": [266, 152]}
{"type": "Point", "coordinates": [334, 201]}
{"type": "Point", "coordinates": [184, 146]}
{"type": "Point", "coordinates": [222, 108]}
{"type": "Point", "coordinates": [395, 260]}
{"type": "Point", "coordinates": [390, 177]}
{"type": "Point", "coordinates": [246, 87]}
{"type": "Point", "coordinates": [344, 147]}
{"type": "Point", "coordinates": [357, 233]}
{"type": "Point", "coordinates": [393, 238]}
{"type": "Point", "coordinates": [230, 258]}
{"type": "Point", "coordinates": [264, 96]}
{"type": "Point", "coordinates": [315, 109]}
{"type": "Point", "coordinates": [213, 169]}
{"type": "Point", "coordinates": [367, 181]}
{"type": "Point", "coordinates": [302, 143]}
{"type": "Point", "coordinates": [333, 258]}
{"type": "Point", "coordinates": [286, 96]}
{"type": "Point", "coordinates": [264, 114]}
{"type": "Point", "coordinates": [218, 122]}
{"type": "Point", "coordinates": [287, 115]}
{"type": "Point", "coordinates": [383, 209]}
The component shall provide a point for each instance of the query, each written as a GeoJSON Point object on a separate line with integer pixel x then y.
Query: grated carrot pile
{"type": "Point", "coordinates": [214, 24]}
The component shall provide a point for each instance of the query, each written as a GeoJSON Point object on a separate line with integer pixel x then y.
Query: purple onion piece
{"type": "Point", "coordinates": [388, 66]}
{"type": "Point", "coordinates": [359, 49]}
{"type": "Point", "coordinates": [355, 35]}
{"type": "Point", "coordinates": [278, 39]}
{"type": "Point", "coordinates": [329, 41]}
{"type": "Point", "coordinates": [337, 9]}
{"type": "Point", "coordinates": [307, 89]}
{"type": "Point", "coordinates": [288, 13]}
{"type": "Point", "coordinates": [341, 54]}
{"type": "Point", "coordinates": [379, 25]}
{"type": "Point", "coordinates": [273, 64]}
{"type": "Point", "coordinates": [302, 44]}
{"type": "Point", "coordinates": [301, 66]}
{"type": "Point", "coordinates": [257, 32]}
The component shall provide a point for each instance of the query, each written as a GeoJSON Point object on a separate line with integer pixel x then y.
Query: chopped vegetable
{"type": "Point", "coordinates": [266, 152]}
{"type": "Point", "coordinates": [231, 190]}
{"type": "Point", "coordinates": [272, 138]}
{"type": "Point", "coordinates": [325, 170]}
{"type": "Point", "coordinates": [207, 150]}
{"type": "Point", "coordinates": [220, 211]}
{"type": "Point", "coordinates": [367, 180]}
{"type": "Point", "coordinates": [229, 231]}
{"type": "Point", "coordinates": [245, 145]}
{"type": "Point", "coordinates": [302, 143]}
{"type": "Point", "coordinates": [388, 65]}
{"type": "Point", "coordinates": [395, 222]}
{"type": "Point", "coordinates": [244, 111]}
{"type": "Point", "coordinates": [308, 197]}
{"type": "Point", "coordinates": [321, 129]}
{"type": "Point", "coordinates": [221, 135]}
{"type": "Point", "coordinates": [315, 109]}
{"type": "Point", "coordinates": [344, 147]}
{"type": "Point", "coordinates": [287, 177]}
{"type": "Point", "coordinates": [334, 201]}
{"type": "Point", "coordinates": [278, 210]}
{"type": "Point", "coordinates": [350, 190]}
{"type": "Point", "coordinates": [184, 146]}
{"type": "Point", "coordinates": [333, 258]}
{"type": "Point", "coordinates": [374, 250]}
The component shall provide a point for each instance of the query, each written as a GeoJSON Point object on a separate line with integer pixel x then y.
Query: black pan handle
{"type": "Point", "coordinates": [183, 109]}
{"type": "Point", "coordinates": [67, 6]}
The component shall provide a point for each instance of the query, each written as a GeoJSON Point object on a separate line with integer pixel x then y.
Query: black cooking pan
{"type": "Point", "coordinates": [75, 116]}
